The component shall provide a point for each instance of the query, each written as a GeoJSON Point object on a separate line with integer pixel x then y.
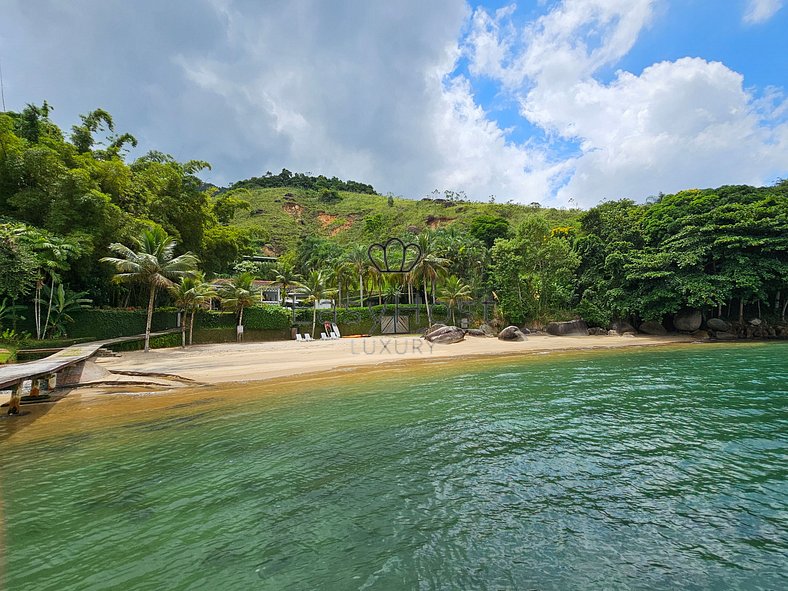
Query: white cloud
{"type": "Point", "coordinates": [369, 91]}
{"type": "Point", "coordinates": [676, 125]}
{"type": "Point", "coordinates": [760, 11]}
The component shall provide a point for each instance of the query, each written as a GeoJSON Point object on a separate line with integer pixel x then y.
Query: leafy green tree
{"type": "Point", "coordinates": [64, 303]}
{"type": "Point", "coordinates": [286, 279]}
{"type": "Point", "coordinates": [428, 268]}
{"type": "Point", "coordinates": [453, 291]}
{"type": "Point", "coordinates": [238, 294]}
{"type": "Point", "coordinates": [152, 264]}
{"type": "Point", "coordinates": [488, 228]}
{"type": "Point", "coordinates": [358, 259]}
{"type": "Point", "coordinates": [316, 288]}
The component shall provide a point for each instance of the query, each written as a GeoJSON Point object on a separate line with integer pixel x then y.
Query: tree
{"type": "Point", "coordinates": [316, 288]}
{"type": "Point", "coordinates": [64, 304]}
{"type": "Point", "coordinates": [488, 228]}
{"type": "Point", "coordinates": [238, 294]}
{"type": "Point", "coordinates": [285, 278]}
{"type": "Point", "coordinates": [358, 259]}
{"type": "Point", "coordinates": [183, 295]}
{"type": "Point", "coordinates": [454, 291]}
{"type": "Point", "coordinates": [204, 293]}
{"type": "Point", "coordinates": [429, 267]}
{"type": "Point", "coordinates": [153, 264]}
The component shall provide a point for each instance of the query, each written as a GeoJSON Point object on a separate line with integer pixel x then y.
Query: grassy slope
{"type": "Point", "coordinates": [283, 219]}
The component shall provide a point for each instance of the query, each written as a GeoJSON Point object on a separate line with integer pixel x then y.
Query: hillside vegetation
{"type": "Point", "coordinates": [282, 216]}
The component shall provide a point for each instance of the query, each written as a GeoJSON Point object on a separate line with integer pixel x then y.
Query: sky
{"type": "Point", "coordinates": [562, 102]}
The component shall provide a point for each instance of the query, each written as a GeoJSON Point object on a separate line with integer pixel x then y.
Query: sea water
{"type": "Point", "coordinates": [659, 468]}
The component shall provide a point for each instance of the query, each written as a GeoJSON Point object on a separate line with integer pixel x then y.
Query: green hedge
{"type": "Point", "coordinates": [106, 324]}
{"type": "Point", "coordinates": [205, 336]}
{"type": "Point", "coordinates": [255, 318]}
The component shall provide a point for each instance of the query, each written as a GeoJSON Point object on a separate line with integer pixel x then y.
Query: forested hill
{"type": "Point", "coordinates": [282, 217]}
{"type": "Point", "coordinates": [302, 181]}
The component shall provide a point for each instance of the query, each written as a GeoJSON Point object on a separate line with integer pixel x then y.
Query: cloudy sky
{"type": "Point", "coordinates": [556, 101]}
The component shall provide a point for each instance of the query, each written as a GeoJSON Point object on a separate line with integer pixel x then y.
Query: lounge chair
{"type": "Point", "coordinates": [336, 331]}
{"type": "Point", "coordinates": [308, 337]}
{"type": "Point", "coordinates": [299, 338]}
{"type": "Point", "coordinates": [324, 337]}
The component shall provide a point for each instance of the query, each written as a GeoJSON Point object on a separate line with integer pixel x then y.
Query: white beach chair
{"type": "Point", "coordinates": [336, 330]}
{"type": "Point", "coordinates": [324, 336]}
{"type": "Point", "coordinates": [308, 337]}
{"type": "Point", "coordinates": [299, 338]}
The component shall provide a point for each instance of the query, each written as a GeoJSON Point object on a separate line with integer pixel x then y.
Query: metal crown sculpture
{"type": "Point", "coordinates": [404, 266]}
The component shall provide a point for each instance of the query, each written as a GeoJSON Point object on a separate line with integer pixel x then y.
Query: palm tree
{"type": "Point", "coordinates": [183, 294]}
{"type": "Point", "coordinates": [316, 289]}
{"type": "Point", "coordinates": [453, 292]}
{"type": "Point", "coordinates": [359, 261]}
{"type": "Point", "coordinates": [429, 267]}
{"type": "Point", "coordinates": [190, 295]}
{"type": "Point", "coordinates": [204, 293]}
{"type": "Point", "coordinates": [152, 264]}
{"type": "Point", "coordinates": [240, 293]}
{"type": "Point", "coordinates": [286, 278]}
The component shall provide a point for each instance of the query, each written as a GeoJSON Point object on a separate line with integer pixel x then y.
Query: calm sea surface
{"type": "Point", "coordinates": [648, 469]}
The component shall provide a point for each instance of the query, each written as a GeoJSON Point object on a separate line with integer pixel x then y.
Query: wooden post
{"type": "Point", "coordinates": [35, 388]}
{"type": "Point", "coordinates": [16, 400]}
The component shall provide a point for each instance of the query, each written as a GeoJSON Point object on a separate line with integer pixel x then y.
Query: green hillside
{"type": "Point", "coordinates": [281, 216]}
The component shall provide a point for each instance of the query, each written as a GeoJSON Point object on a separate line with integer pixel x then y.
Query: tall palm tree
{"type": "Point", "coordinates": [359, 262]}
{"type": "Point", "coordinates": [453, 292]}
{"type": "Point", "coordinates": [316, 288]}
{"type": "Point", "coordinates": [286, 278]}
{"type": "Point", "coordinates": [152, 264]}
{"type": "Point", "coordinates": [240, 293]}
{"type": "Point", "coordinates": [204, 293]}
{"type": "Point", "coordinates": [183, 294]}
{"type": "Point", "coordinates": [429, 267]}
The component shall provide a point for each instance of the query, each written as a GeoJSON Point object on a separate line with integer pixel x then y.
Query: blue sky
{"type": "Point", "coordinates": [547, 100]}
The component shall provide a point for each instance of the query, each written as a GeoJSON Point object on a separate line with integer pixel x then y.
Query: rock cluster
{"type": "Point", "coordinates": [512, 333]}
{"type": "Point", "coordinates": [445, 334]}
{"type": "Point", "coordinates": [569, 328]}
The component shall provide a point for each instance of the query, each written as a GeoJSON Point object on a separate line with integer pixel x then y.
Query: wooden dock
{"type": "Point", "coordinates": [62, 369]}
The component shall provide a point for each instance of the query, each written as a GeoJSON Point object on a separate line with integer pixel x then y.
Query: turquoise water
{"type": "Point", "coordinates": [652, 469]}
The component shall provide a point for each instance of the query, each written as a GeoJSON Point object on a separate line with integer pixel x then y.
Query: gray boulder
{"type": "Point", "coordinates": [475, 332]}
{"type": "Point", "coordinates": [612, 333]}
{"type": "Point", "coordinates": [434, 327]}
{"type": "Point", "coordinates": [568, 329]}
{"type": "Point", "coordinates": [622, 326]}
{"type": "Point", "coordinates": [597, 331]}
{"type": "Point", "coordinates": [488, 330]}
{"type": "Point", "coordinates": [653, 328]}
{"type": "Point", "coordinates": [446, 335]}
{"type": "Point", "coordinates": [512, 333]}
{"type": "Point", "coordinates": [755, 321]}
{"type": "Point", "coordinates": [688, 320]}
{"type": "Point", "coordinates": [722, 335]}
{"type": "Point", "coordinates": [719, 324]}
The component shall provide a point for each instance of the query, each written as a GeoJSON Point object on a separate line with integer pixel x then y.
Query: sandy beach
{"type": "Point", "coordinates": [243, 362]}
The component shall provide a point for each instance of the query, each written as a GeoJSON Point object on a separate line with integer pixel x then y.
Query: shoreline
{"type": "Point", "coordinates": [207, 379]}
{"type": "Point", "coordinates": [232, 363]}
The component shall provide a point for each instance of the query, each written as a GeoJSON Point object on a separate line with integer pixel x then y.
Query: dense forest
{"type": "Point", "coordinates": [70, 202]}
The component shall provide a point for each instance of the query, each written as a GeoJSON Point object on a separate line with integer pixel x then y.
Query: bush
{"type": "Point", "coordinates": [256, 318]}
{"type": "Point", "coordinates": [106, 324]}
